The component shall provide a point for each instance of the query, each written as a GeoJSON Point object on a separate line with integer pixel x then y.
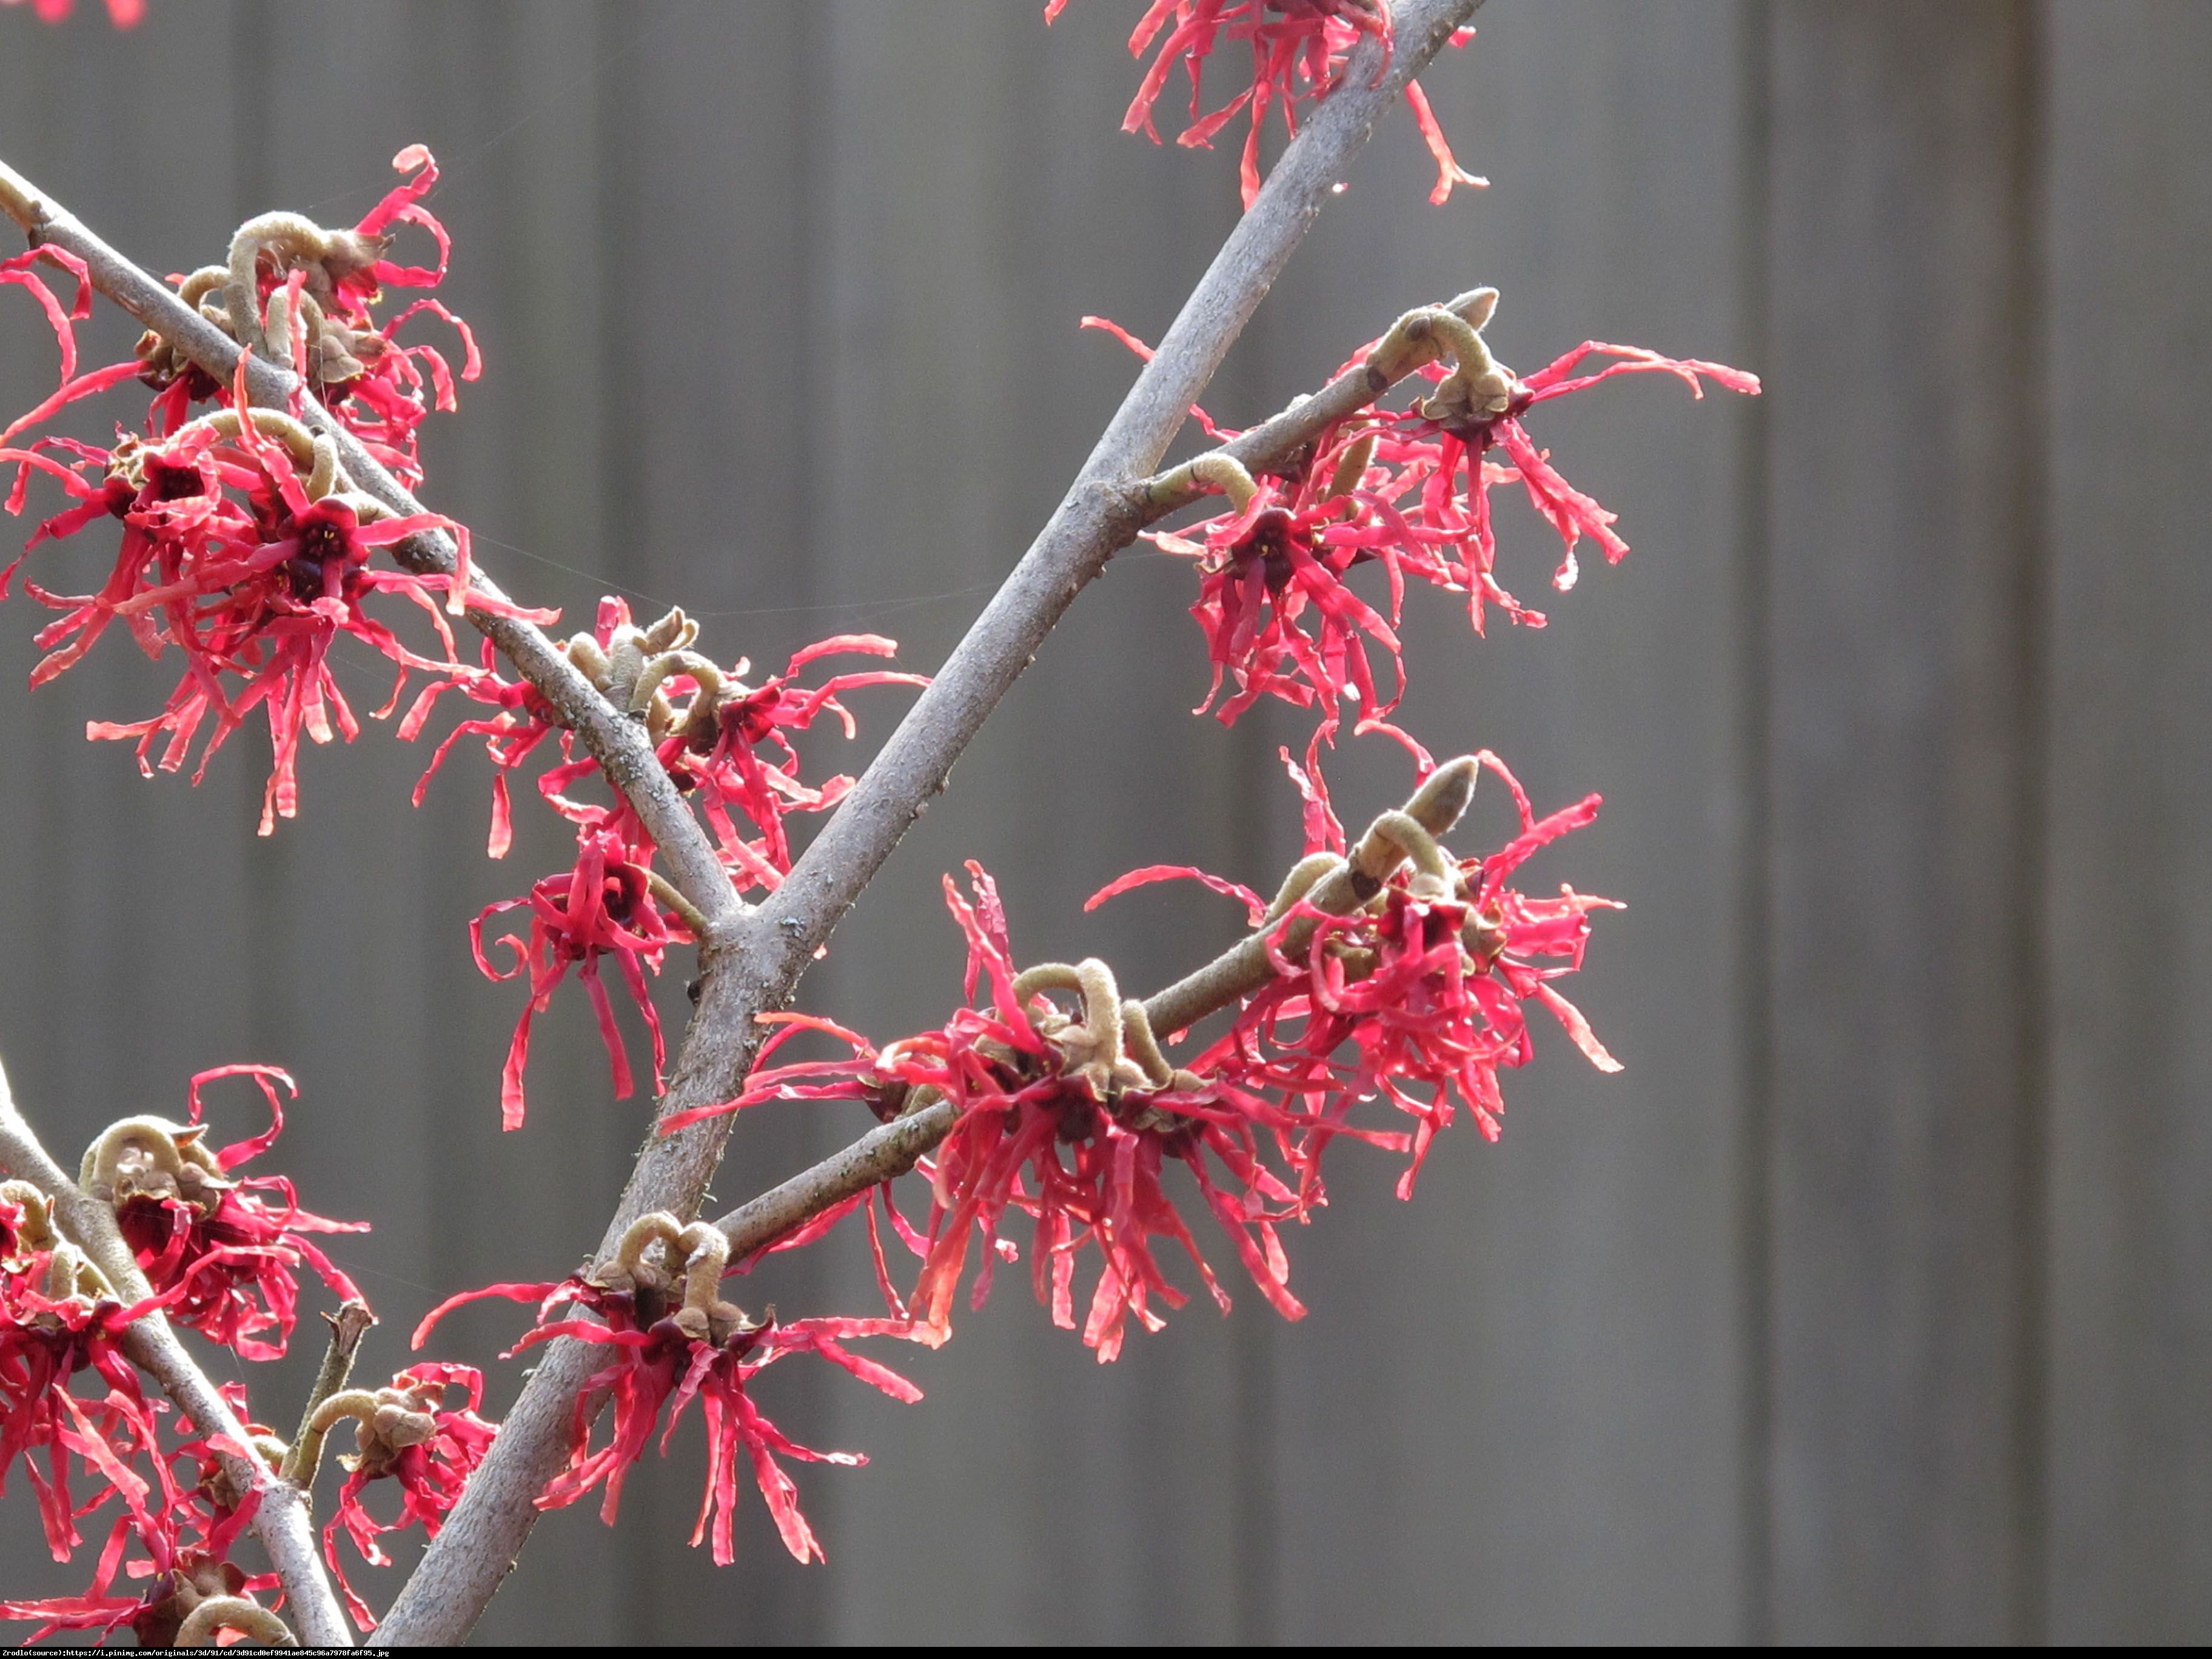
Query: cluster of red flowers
{"type": "Point", "coordinates": [1423, 985]}
{"type": "Point", "coordinates": [1066, 1109]}
{"type": "Point", "coordinates": [1070, 1119]}
{"type": "Point", "coordinates": [220, 1254]}
{"type": "Point", "coordinates": [59, 1319]}
{"type": "Point", "coordinates": [672, 1337]}
{"type": "Point", "coordinates": [1383, 990]}
{"type": "Point", "coordinates": [725, 743]}
{"type": "Point", "coordinates": [1407, 491]}
{"type": "Point", "coordinates": [242, 546]}
{"type": "Point", "coordinates": [1299, 50]}
{"type": "Point", "coordinates": [404, 1433]}
{"type": "Point", "coordinates": [180, 1520]}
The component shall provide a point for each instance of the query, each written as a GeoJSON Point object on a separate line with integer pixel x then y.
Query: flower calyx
{"type": "Point", "coordinates": [196, 1579]}
{"type": "Point", "coordinates": [694, 1258]}
{"type": "Point", "coordinates": [240, 1613]}
{"type": "Point", "coordinates": [387, 1421]}
{"type": "Point", "coordinates": [222, 1487]}
{"type": "Point", "coordinates": [1108, 1049]}
{"type": "Point", "coordinates": [71, 1274]}
{"type": "Point", "coordinates": [1411, 834]}
{"type": "Point", "coordinates": [162, 363]}
{"type": "Point", "coordinates": [1479, 388]}
{"type": "Point", "coordinates": [314, 453]}
{"type": "Point", "coordinates": [327, 261]}
{"type": "Point", "coordinates": [1452, 890]}
{"type": "Point", "coordinates": [152, 1157]}
{"type": "Point", "coordinates": [631, 671]}
{"type": "Point", "coordinates": [315, 272]}
{"type": "Point", "coordinates": [35, 1230]}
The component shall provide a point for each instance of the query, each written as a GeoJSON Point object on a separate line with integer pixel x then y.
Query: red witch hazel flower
{"type": "Point", "coordinates": [1298, 53]}
{"type": "Point", "coordinates": [724, 742]}
{"type": "Point", "coordinates": [59, 1318]}
{"type": "Point", "coordinates": [1276, 612]}
{"type": "Point", "coordinates": [184, 1539]}
{"type": "Point", "coordinates": [244, 543]}
{"type": "Point", "coordinates": [1068, 1118]}
{"type": "Point", "coordinates": [603, 907]}
{"type": "Point", "coordinates": [304, 296]}
{"type": "Point", "coordinates": [403, 1432]}
{"type": "Point", "coordinates": [243, 549]}
{"type": "Point", "coordinates": [221, 1254]}
{"type": "Point", "coordinates": [672, 1336]}
{"type": "Point", "coordinates": [1408, 490]}
{"type": "Point", "coordinates": [124, 14]}
{"type": "Point", "coordinates": [1423, 980]}
{"type": "Point", "coordinates": [1437, 445]}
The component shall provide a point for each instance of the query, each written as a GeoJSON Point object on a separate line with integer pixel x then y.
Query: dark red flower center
{"type": "Point", "coordinates": [621, 889]}
{"type": "Point", "coordinates": [320, 568]}
{"type": "Point", "coordinates": [1269, 541]}
{"type": "Point", "coordinates": [168, 482]}
{"type": "Point", "coordinates": [753, 717]}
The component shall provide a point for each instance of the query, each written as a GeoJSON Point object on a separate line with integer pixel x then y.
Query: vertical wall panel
{"type": "Point", "coordinates": [2130, 343]}
{"type": "Point", "coordinates": [1551, 1451]}
{"type": "Point", "coordinates": [1902, 728]}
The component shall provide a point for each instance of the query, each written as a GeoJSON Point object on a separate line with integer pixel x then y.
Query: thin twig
{"type": "Point", "coordinates": [771, 945]}
{"type": "Point", "coordinates": [664, 890]}
{"type": "Point", "coordinates": [348, 1326]}
{"type": "Point", "coordinates": [621, 746]}
{"type": "Point", "coordinates": [281, 1519]}
{"type": "Point", "coordinates": [1245, 967]}
{"type": "Point", "coordinates": [885, 1153]}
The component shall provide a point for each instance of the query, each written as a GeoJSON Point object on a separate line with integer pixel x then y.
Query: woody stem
{"type": "Point", "coordinates": [770, 945]}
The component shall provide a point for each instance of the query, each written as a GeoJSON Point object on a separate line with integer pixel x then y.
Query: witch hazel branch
{"type": "Point", "coordinates": [262, 506]}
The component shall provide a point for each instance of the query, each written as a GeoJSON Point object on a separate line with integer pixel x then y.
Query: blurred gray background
{"type": "Point", "coordinates": [1870, 1303]}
